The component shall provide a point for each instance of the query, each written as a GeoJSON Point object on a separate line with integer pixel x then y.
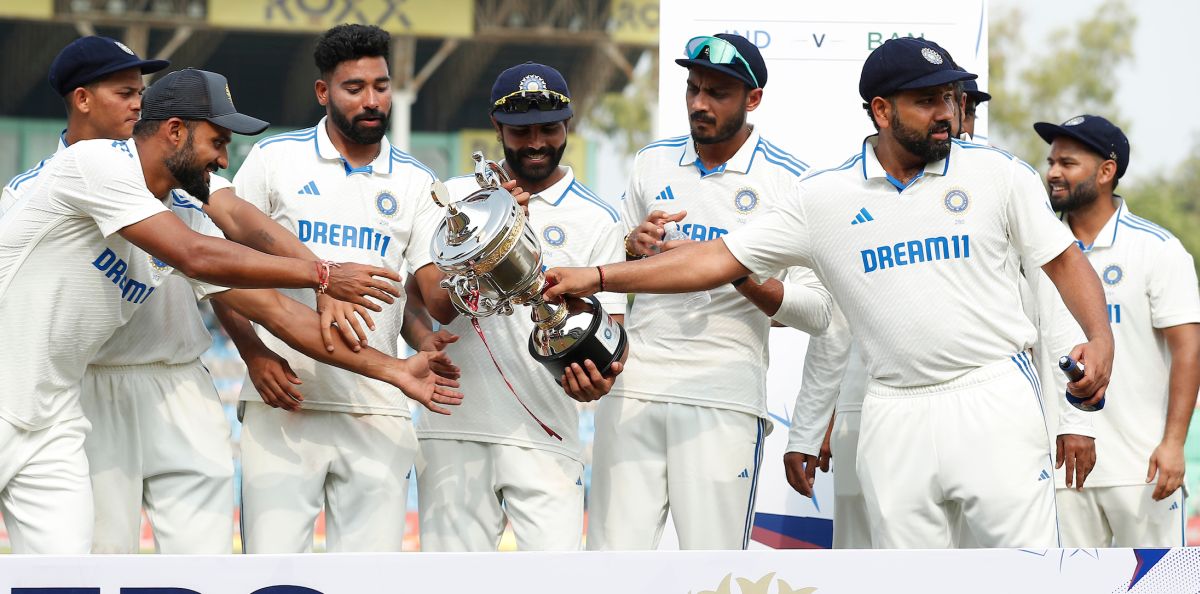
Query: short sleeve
{"type": "Point", "coordinates": [191, 213]}
{"type": "Point", "coordinates": [1036, 233]}
{"type": "Point", "coordinates": [217, 183]}
{"type": "Point", "coordinates": [779, 239]}
{"type": "Point", "coordinates": [631, 204]}
{"type": "Point", "coordinates": [252, 182]}
{"type": "Point", "coordinates": [1172, 288]}
{"type": "Point", "coordinates": [426, 218]}
{"type": "Point", "coordinates": [103, 180]}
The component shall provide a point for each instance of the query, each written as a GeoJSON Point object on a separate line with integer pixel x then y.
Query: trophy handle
{"type": "Point", "coordinates": [488, 174]}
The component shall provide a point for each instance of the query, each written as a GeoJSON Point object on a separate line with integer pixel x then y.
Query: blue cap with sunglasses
{"type": "Point", "coordinates": [907, 63]}
{"type": "Point", "coordinates": [727, 53]}
{"type": "Point", "coordinates": [529, 94]}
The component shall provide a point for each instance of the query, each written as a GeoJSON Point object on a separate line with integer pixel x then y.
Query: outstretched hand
{"type": "Point", "coordinates": [646, 238]}
{"type": "Point", "coordinates": [436, 342]}
{"type": "Point", "coordinates": [571, 282]}
{"type": "Point", "coordinates": [422, 384]}
{"type": "Point", "coordinates": [353, 283]}
{"type": "Point", "coordinates": [341, 315]}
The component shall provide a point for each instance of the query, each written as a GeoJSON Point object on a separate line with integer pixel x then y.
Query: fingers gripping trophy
{"type": "Point", "coordinates": [493, 261]}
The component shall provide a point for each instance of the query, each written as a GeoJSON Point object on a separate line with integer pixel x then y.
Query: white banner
{"type": "Point", "coordinates": [1000, 571]}
{"type": "Point", "coordinates": [814, 53]}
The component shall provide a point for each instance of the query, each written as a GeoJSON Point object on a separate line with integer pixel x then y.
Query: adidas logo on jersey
{"type": "Point", "coordinates": [1044, 475]}
{"type": "Point", "coordinates": [666, 194]}
{"type": "Point", "coordinates": [309, 189]}
{"type": "Point", "coordinates": [862, 217]}
{"type": "Point", "coordinates": [745, 474]}
{"type": "Point", "coordinates": [1174, 506]}
{"type": "Point", "coordinates": [579, 481]}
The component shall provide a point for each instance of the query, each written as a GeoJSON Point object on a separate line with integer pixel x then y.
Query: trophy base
{"type": "Point", "coordinates": [603, 341]}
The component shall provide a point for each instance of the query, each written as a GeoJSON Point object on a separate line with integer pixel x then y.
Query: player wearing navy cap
{"type": "Point", "coordinates": [1133, 498]}
{"type": "Point", "coordinates": [491, 462]}
{"type": "Point", "coordinates": [71, 259]}
{"type": "Point", "coordinates": [972, 97]}
{"type": "Point", "coordinates": [928, 283]}
{"type": "Point", "coordinates": [684, 426]}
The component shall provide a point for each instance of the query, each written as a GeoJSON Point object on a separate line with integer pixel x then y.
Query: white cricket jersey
{"type": "Point", "coordinates": [715, 356]}
{"type": "Point", "coordinates": [67, 279]}
{"type": "Point", "coordinates": [575, 228]}
{"type": "Point", "coordinates": [19, 184]}
{"type": "Point", "coordinates": [168, 329]}
{"type": "Point", "coordinates": [379, 214]}
{"type": "Point", "coordinates": [1149, 282]}
{"type": "Point", "coordinates": [925, 273]}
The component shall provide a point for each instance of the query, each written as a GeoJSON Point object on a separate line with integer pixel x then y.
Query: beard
{"type": "Point", "coordinates": [922, 144]}
{"type": "Point", "coordinates": [356, 133]}
{"type": "Point", "coordinates": [514, 158]}
{"type": "Point", "coordinates": [1079, 195]}
{"type": "Point", "coordinates": [723, 132]}
{"type": "Point", "coordinates": [187, 173]}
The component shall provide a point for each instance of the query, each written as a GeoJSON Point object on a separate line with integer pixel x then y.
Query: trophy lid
{"type": "Point", "coordinates": [473, 227]}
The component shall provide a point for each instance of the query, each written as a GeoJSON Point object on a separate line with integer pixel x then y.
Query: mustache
{"type": "Point", "coordinates": [370, 114]}
{"type": "Point", "coordinates": [940, 127]}
{"type": "Point", "coordinates": [702, 117]}
{"type": "Point", "coordinates": [546, 152]}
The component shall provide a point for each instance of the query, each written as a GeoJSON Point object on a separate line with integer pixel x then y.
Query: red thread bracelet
{"type": "Point", "coordinates": [600, 269]}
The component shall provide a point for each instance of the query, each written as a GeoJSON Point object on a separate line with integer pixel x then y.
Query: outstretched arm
{"type": "Point", "coordinates": [692, 266]}
{"type": "Point", "coordinates": [296, 325]}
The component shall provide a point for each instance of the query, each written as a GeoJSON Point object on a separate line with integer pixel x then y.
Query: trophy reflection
{"type": "Point", "coordinates": [493, 261]}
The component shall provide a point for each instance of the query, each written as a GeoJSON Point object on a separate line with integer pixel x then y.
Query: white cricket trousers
{"type": "Point", "coordinates": [356, 466]}
{"type": "Point", "coordinates": [1121, 516]}
{"type": "Point", "coordinates": [45, 494]}
{"type": "Point", "coordinates": [159, 439]}
{"type": "Point", "coordinates": [851, 526]}
{"type": "Point", "coordinates": [466, 490]}
{"type": "Point", "coordinates": [976, 446]}
{"type": "Point", "coordinates": [702, 463]}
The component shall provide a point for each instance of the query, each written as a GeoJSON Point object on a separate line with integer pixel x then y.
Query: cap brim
{"type": "Point", "coordinates": [979, 96]}
{"type": "Point", "coordinates": [934, 79]}
{"type": "Point", "coordinates": [146, 67]}
{"type": "Point", "coordinates": [533, 116]}
{"type": "Point", "coordinates": [722, 68]}
{"type": "Point", "coordinates": [1049, 132]}
{"type": "Point", "coordinates": [240, 123]}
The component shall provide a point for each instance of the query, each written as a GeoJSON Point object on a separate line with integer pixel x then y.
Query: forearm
{"type": "Point", "coordinates": [416, 326]}
{"type": "Point", "coordinates": [297, 326]}
{"type": "Point", "coordinates": [229, 264]}
{"type": "Point", "coordinates": [240, 221]}
{"type": "Point", "coordinates": [1080, 289]}
{"type": "Point", "coordinates": [1184, 344]}
{"type": "Point", "coordinates": [767, 297]}
{"type": "Point", "coordinates": [238, 328]}
{"type": "Point", "coordinates": [690, 267]}
{"type": "Point", "coordinates": [825, 363]}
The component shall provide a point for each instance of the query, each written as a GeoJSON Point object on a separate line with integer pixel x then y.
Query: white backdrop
{"type": "Point", "coordinates": [814, 53]}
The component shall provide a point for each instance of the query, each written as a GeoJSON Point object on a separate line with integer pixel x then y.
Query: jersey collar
{"type": "Point", "coordinates": [1108, 234]}
{"type": "Point", "coordinates": [872, 169]}
{"type": "Point", "coordinates": [62, 142]}
{"type": "Point", "coordinates": [554, 195]}
{"type": "Point", "coordinates": [740, 162]}
{"type": "Point", "coordinates": [326, 150]}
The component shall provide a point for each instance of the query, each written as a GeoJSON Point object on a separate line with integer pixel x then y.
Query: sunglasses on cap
{"type": "Point", "coordinates": [719, 52]}
{"type": "Point", "coordinates": [523, 101]}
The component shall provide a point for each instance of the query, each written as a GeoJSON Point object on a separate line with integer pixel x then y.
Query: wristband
{"type": "Point", "coordinates": [738, 282]}
{"type": "Point", "coordinates": [600, 269]}
{"type": "Point", "coordinates": [323, 267]}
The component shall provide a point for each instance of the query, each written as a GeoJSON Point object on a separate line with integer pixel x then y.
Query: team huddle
{"type": "Point", "coordinates": [937, 282]}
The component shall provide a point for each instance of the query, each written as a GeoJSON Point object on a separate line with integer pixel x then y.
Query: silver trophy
{"type": "Point", "coordinates": [492, 260]}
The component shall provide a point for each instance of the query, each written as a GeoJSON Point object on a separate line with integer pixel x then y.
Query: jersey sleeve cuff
{"type": "Point", "coordinates": [1084, 430]}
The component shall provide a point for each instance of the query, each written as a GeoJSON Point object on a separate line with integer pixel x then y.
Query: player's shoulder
{"type": "Point", "coordinates": [287, 141]}
{"type": "Point", "coordinates": [99, 159]}
{"type": "Point", "coordinates": [850, 170]}
{"type": "Point", "coordinates": [22, 180]}
{"type": "Point", "coordinates": [1150, 235]}
{"type": "Point", "coordinates": [988, 155]}
{"type": "Point", "coordinates": [779, 159]}
{"type": "Point", "coordinates": [580, 197]}
{"type": "Point", "coordinates": [406, 163]}
{"type": "Point", "coordinates": [664, 148]}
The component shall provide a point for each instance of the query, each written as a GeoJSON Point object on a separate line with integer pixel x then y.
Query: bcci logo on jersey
{"type": "Point", "coordinates": [157, 267]}
{"type": "Point", "coordinates": [1112, 275]}
{"type": "Point", "coordinates": [745, 200]}
{"type": "Point", "coordinates": [554, 235]}
{"type": "Point", "coordinates": [386, 204]}
{"type": "Point", "coordinates": [956, 202]}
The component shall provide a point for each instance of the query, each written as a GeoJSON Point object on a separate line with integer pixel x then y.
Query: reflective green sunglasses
{"type": "Point", "coordinates": [719, 52]}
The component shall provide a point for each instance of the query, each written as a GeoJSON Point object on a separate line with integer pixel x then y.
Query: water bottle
{"type": "Point", "coordinates": [694, 300]}
{"type": "Point", "coordinates": [1074, 372]}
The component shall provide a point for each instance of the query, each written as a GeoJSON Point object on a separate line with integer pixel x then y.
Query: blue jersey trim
{"type": "Point", "coordinates": [29, 174]}
{"type": "Point", "coordinates": [971, 145]}
{"type": "Point", "coordinates": [848, 164]}
{"type": "Point", "coordinates": [790, 166]}
{"type": "Point", "coordinates": [299, 135]}
{"type": "Point", "coordinates": [583, 192]}
{"type": "Point", "coordinates": [403, 157]}
{"type": "Point", "coordinates": [180, 202]}
{"type": "Point", "coordinates": [782, 154]}
{"type": "Point", "coordinates": [1148, 223]}
{"type": "Point", "coordinates": [673, 141]}
{"type": "Point", "coordinates": [1139, 227]}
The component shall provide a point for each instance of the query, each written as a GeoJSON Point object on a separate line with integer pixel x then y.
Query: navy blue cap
{"type": "Point", "coordinates": [530, 77]}
{"type": "Point", "coordinates": [1094, 132]}
{"type": "Point", "coordinates": [749, 52]}
{"type": "Point", "coordinates": [193, 94]}
{"type": "Point", "coordinates": [971, 88]}
{"type": "Point", "coordinates": [907, 63]}
{"type": "Point", "coordinates": [88, 59]}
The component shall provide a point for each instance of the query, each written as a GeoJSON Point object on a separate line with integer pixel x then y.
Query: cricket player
{"type": "Point", "coordinates": [72, 265]}
{"type": "Point", "coordinates": [928, 282]}
{"type": "Point", "coordinates": [159, 437]}
{"type": "Point", "coordinates": [684, 425]}
{"type": "Point", "coordinates": [1133, 496]}
{"type": "Point", "coordinates": [345, 443]}
{"type": "Point", "coordinates": [491, 462]}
